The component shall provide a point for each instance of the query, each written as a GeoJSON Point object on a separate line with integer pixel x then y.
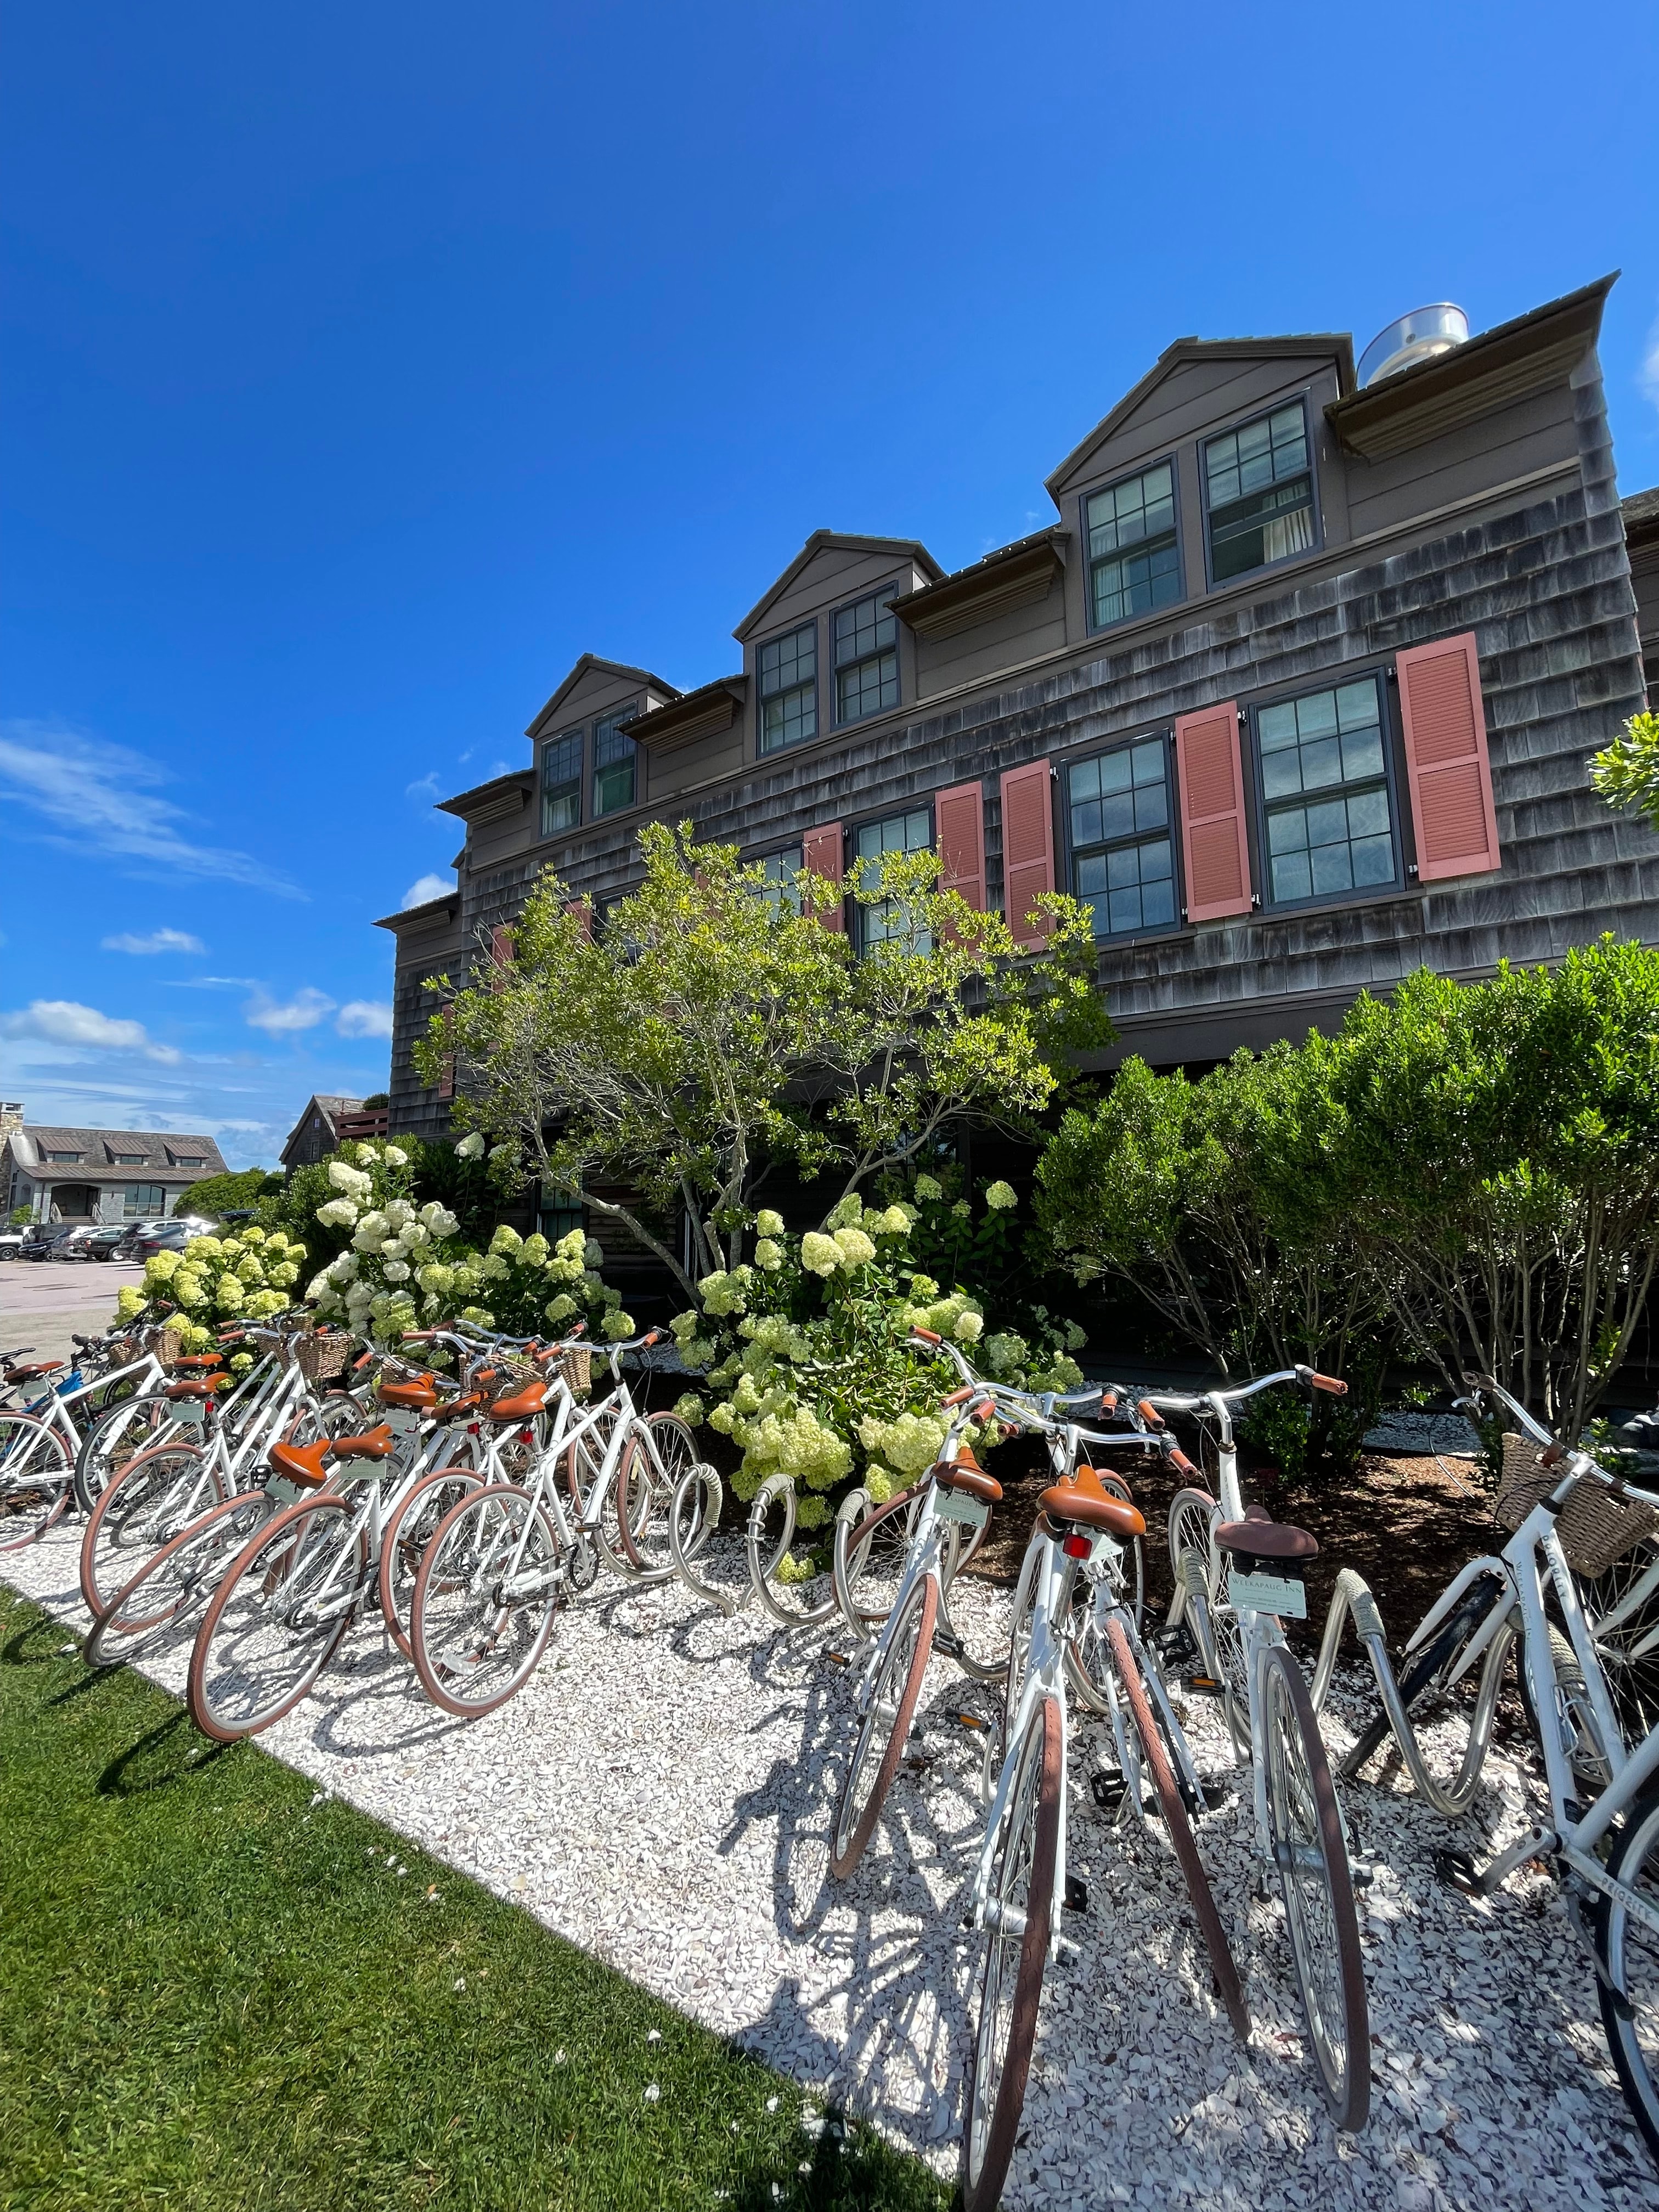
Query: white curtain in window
{"type": "Point", "coordinates": [1287, 534]}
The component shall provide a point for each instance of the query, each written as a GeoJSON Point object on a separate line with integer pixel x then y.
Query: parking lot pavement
{"type": "Point", "coordinates": [46, 1302]}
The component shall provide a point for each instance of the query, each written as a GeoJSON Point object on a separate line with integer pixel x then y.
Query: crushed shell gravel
{"type": "Point", "coordinates": [660, 1793]}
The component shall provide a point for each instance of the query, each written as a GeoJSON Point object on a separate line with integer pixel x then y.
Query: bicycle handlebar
{"type": "Point", "coordinates": [1578, 1464]}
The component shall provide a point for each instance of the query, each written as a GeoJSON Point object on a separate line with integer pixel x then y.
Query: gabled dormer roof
{"type": "Point", "coordinates": [591, 665]}
{"type": "Point", "coordinates": [909, 549]}
{"type": "Point", "coordinates": [1332, 345]}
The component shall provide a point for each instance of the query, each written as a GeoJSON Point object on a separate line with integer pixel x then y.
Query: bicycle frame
{"type": "Point", "coordinates": [1044, 1677]}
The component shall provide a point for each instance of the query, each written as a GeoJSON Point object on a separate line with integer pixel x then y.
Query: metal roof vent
{"type": "Point", "coordinates": [1420, 336]}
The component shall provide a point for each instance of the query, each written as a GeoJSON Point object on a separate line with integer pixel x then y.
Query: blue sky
{"type": "Point", "coordinates": [366, 364]}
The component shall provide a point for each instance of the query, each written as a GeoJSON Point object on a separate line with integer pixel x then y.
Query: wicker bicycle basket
{"type": "Point", "coordinates": [167, 1343]}
{"type": "Point", "coordinates": [1595, 1527]}
{"type": "Point", "coordinates": [323, 1359]}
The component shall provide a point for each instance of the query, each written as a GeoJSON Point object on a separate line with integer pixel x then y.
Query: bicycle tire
{"type": "Point", "coordinates": [1229, 1986]}
{"type": "Point", "coordinates": [36, 1479]}
{"type": "Point", "coordinates": [772, 1567]}
{"type": "Point", "coordinates": [645, 1496]}
{"type": "Point", "coordinates": [1634, 1855]}
{"type": "Point", "coordinates": [411, 1527]}
{"type": "Point", "coordinates": [1192, 1514]}
{"type": "Point", "coordinates": [169, 1582]}
{"type": "Point", "coordinates": [1624, 1618]}
{"type": "Point", "coordinates": [869, 1546]}
{"type": "Point", "coordinates": [299, 1548]}
{"type": "Point", "coordinates": [140, 1511]}
{"type": "Point", "coordinates": [459, 1619]}
{"type": "Point", "coordinates": [906, 1657]}
{"type": "Point", "coordinates": [1027, 1851]}
{"type": "Point", "coordinates": [1309, 1836]}
{"type": "Point", "coordinates": [102, 1455]}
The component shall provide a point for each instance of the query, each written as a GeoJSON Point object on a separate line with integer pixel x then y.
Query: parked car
{"type": "Point", "coordinates": [104, 1243]}
{"type": "Point", "coordinates": [44, 1240]}
{"type": "Point", "coordinates": [127, 1249]}
{"type": "Point", "coordinates": [77, 1245]}
{"type": "Point", "coordinates": [167, 1237]}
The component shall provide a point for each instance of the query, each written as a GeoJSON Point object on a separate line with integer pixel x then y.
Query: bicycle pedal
{"type": "Point", "coordinates": [1457, 1870]}
{"type": "Point", "coordinates": [1077, 1894]}
{"type": "Point", "coordinates": [1109, 1790]}
{"type": "Point", "coordinates": [972, 1720]}
{"type": "Point", "coordinates": [1361, 1874]}
{"type": "Point", "coordinates": [838, 1658]}
{"type": "Point", "coordinates": [1214, 1794]}
{"type": "Point", "coordinates": [1202, 1685]}
{"type": "Point", "coordinates": [948, 1646]}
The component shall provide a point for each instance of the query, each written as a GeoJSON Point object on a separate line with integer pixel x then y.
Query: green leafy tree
{"type": "Point", "coordinates": [712, 1028]}
{"type": "Point", "coordinates": [1627, 772]}
{"type": "Point", "coordinates": [216, 1194]}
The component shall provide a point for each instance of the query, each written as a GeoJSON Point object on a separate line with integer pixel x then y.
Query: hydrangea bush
{"type": "Point", "coordinates": [805, 1364]}
{"type": "Point", "coordinates": [243, 1276]}
{"type": "Point", "coordinates": [1026, 1342]}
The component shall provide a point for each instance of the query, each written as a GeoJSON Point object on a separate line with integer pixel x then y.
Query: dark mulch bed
{"type": "Point", "coordinates": [1406, 1525]}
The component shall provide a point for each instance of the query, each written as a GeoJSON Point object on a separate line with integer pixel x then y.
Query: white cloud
{"type": "Point", "coordinates": [365, 1017]}
{"type": "Point", "coordinates": [303, 1012]}
{"type": "Point", "coordinates": [1648, 372]}
{"type": "Point", "coordinates": [102, 798]}
{"type": "Point", "coordinates": [63, 1021]}
{"type": "Point", "coordinates": [426, 787]}
{"type": "Point", "coordinates": [427, 887]}
{"type": "Point", "coordinates": [159, 940]}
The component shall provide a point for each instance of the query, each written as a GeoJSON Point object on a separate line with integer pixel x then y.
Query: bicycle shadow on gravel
{"type": "Point", "coordinates": [374, 1706]}
{"type": "Point", "coordinates": [889, 2029]}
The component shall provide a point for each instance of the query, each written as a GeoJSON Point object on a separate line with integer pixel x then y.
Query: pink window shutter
{"type": "Point", "coordinates": [821, 852]}
{"type": "Point", "coordinates": [1447, 766]}
{"type": "Point", "coordinates": [959, 828]}
{"type": "Point", "coordinates": [501, 946]}
{"type": "Point", "coordinates": [1214, 844]}
{"type": "Point", "coordinates": [446, 1073]}
{"type": "Point", "coordinates": [582, 913]}
{"type": "Point", "coordinates": [1028, 848]}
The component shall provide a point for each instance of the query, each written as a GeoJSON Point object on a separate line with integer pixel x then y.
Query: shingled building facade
{"type": "Point", "coordinates": [1298, 692]}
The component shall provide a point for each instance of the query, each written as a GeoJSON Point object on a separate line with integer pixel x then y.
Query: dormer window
{"type": "Point", "coordinates": [1134, 561]}
{"type": "Point", "coordinates": [867, 658]}
{"type": "Point", "coordinates": [788, 669]}
{"type": "Point", "coordinates": [613, 764]}
{"type": "Point", "coordinates": [130, 1159]}
{"type": "Point", "coordinates": [1260, 482]}
{"type": "Point", "coordinates": [562, 783]}
{"type": "Point", "coordinates": [189, 1160]}
{"type": "Point", "coordinates": [64, 1159]}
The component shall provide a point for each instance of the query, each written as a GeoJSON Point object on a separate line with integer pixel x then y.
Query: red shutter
{"type": "Point", "coordinates": [582, 913]}
{"type": "Point", "coordinates": [446, 1073]}
{"type": "Point", "coordinates": [821, 851]}
{"type": "Point", "coordinates": [501, 946]}
{"type": "Point", "coordinates": [959, 832]}
{"type": "Point", "coordinates": [1210, 772]}
{"type": "Point", "coordinates": [1028, 846]}
{"type": "Point", "coordinates": [1444, 726]}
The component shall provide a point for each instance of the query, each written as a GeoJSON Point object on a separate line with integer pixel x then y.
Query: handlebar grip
{"type": "Point", "coordinates": [927, 1335]}
{"type": "Point", "coordinates": [1318, 1382]}
{"type": "Point", "coordinates": [651, 1336]}
{"type": "Point", "coordinates": [1150, 1414]}
{"type": "Point", "coordinates": [358, 1365]}
{"type": "Point", "coordinates": [1108, 1401]}
{"type": "Point", "coordinates": [985, 1408]}
{"type": "Point", "coordinates": [959, 1397]}
{"type": "Point", "coordinates": [1553, 1455]}
{"type": "Point", "coordinates": [1179, 1461]}
{"type": "Point", "coordinates": [580, 1330]}
{"type": "Point", "coordinates": [419, 1335]}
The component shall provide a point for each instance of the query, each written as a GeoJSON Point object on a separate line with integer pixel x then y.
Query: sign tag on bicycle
{"type": "Point", "coordinates": [189, 1413]}
{"type": "Point", "coordinates": [402, 1420]}
{"type": "Point", "coordinates": [958, 1506]}
{"type": "Point", "coordinates": [1267, 1594]}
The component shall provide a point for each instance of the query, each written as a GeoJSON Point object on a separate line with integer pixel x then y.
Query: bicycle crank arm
{"type": "Point", "coordinates": [519, 1590]}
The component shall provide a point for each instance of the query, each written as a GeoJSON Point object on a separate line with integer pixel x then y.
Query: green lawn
{"type": "Point", "coordinates": [214, 1996]}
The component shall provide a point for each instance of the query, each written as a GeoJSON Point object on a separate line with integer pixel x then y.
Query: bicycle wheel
{"type": "Point", "coordinates": [885, 1728]}
{"type": "Point", "coordinates": [1178, 1828]}
{"type": "Point", "coordinates": [1629, 1950]}
{"type": "Point", "coordinates": [1452, 1709]}
{"type": "Point", "coordinates": [1019, 1908]}
{"type": "Point", "coordinates": [153, 1497]}
{"type": "Point", "coordinates": [118, 1435]}
{"type": "Point", "coordinates": [35, 1480]}
{"type": "Point", "coordinates": [1311, 1853]}
{"type": "Point", "coordinates": [798, 1591]}
{"type": "Point", "coordinates": [1622, 1608]}
{"type": "Point", "coordinates": [1581, 1732]}
{"type": "Point", "coordinates": [646, 1483]}
{"type": "Point", "coordinates": [276, 1620]}
{"type": "Point", "coordinates": [870, 1547]}
{"type": "Point", "coordinates": [409, 1530]}
{"type": "Point", "coordinates": [975, 1614]}
{"type": "Point", "coordinates": [174, 1581]}
{"type": "Point", "coordinates": [1192, 1515]}
{"type": "Point", "coordinates": [485, 1599]}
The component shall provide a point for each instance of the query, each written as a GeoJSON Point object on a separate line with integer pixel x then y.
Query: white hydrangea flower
{"type": "Point", "coordinates": [367, 1155]}
{"type": "Point", "coordinates": [925, 1186]}
{"type": "Point", "coordinates": [439, 1219]}
{"type": "Point", "coordinates": [819, 1254]}
{"type": "Point", "coordinates": [396, 1271]}
{"type": "Point", "coordinates": [396, 1157]}
{"type": "Point", "coordinates": [856, 1250]}
{"type": "Point", "coordinates": [471, 1148]}
{"type": "Point", "coordinates": [969, 1326]}
{"type": "Point", "coordinates": [768, 1224]}
{"type": "Point", "coordinates": [1000, 1197]}
{"type": "Point", "coordinates": [350, 1180]}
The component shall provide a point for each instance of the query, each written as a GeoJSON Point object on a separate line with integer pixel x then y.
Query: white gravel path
{"type": "Point", "coordinates": [660, 1795]}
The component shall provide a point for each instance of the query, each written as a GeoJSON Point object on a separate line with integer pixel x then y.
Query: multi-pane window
{"type": "Point", "coordinates": [63, 1159]}
{"type": "Point", "coordinates": [782, 890]}
{"type": "Point", "coordinates": [867, 658]}
{"type": "Point", "coordinates": [559, 1211]}
{"type": "Point", "coordinates": [1261, 485]}
{"type": "Point", "coordinates": [562, 783]}
{"type": "Point", "coordinates": [613, 764]}
{"type": "Point", "coordinates": [1134, 564]}
{"type": "Point", "coordinates": [789, 689]}
{"type": "Point", "coordinates": [1123, 857]}
{"type": "Point", "coordinates": [900, 833]}
{"type": "Point", "coordinates": [140, 1200]}
{"type": "Point", "coordinates": [1325, 793]}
